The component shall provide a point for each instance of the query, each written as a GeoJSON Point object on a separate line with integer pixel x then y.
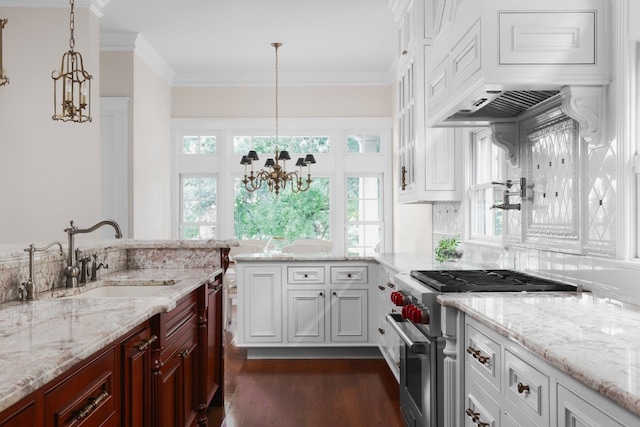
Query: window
{"type": "Point", "coordinates": [211, 201]}
{"type": "Point", "coordinates": [198, 207]}
{"type": "Point", "coordinates": [199, 144]}
{"type": "Point", "coordinates": [293, 144]}
{"type": "Point", "coordinates": [260, 215]}
{"type": "Point", "coordinates": [363, 143]}
{"type": "Point", "coordinates": [489, 163]}
{"type": "Point", "coordinates": [364, 215]}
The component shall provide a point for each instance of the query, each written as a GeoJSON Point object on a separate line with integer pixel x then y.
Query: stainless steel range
{"type": "Point", "coordinates": [421, 355]}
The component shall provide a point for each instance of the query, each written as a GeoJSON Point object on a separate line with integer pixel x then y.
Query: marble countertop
{"type": "Point", "coordinates": [41, 339]}
{"type": "Point", "coordinates": [591, 338]}
{"type": "Point", "coordinates": [320, 256]}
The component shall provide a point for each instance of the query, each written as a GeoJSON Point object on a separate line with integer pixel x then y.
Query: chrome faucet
{"type": "Point", "coordinates": [72, 271]}
{"type": "Point", "coordinates": [522, 193]}
{"type": "Point", "coordinates": [28, 288]}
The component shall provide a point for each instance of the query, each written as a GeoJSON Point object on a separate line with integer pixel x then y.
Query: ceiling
{"type": "Point", "coordinates": [228, 42]}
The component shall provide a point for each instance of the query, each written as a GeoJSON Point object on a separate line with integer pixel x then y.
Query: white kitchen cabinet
{"type": "Point", "coordinates": [349, 315]}
{"type": "Point", "coordinates": [261, 308]}
{"type": "Point", "coordinates": [428, 161]}
{"type": "Point", "coordinates": [306, 304]}
{"type": "Point", "coordinates": [388, 339]}
{"type": "Point", "coordinates": [305, 313]}
{"type": "Point", "coordinates": [574, 411]}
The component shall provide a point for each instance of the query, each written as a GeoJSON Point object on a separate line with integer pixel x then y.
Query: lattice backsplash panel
{"type": "Point", "coordinates": [554, 180]}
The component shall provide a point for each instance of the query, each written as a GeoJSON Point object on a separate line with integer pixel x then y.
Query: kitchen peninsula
{"type": "Point", "coordinates": [74, 357]}
{"type": "Point", "coordinates": [292, 305]}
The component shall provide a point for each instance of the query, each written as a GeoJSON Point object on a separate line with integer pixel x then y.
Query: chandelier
{"type": "Point", "coordinates": [276, 176]}
{"type": "Point", "coordinates": [71, 84]}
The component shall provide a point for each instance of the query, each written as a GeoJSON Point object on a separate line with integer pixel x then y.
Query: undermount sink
{"type": "Point", "coordinates": [126, 289]}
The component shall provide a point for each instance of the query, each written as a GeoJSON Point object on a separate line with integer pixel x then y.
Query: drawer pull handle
{"type": "Point", "coordinates": [478, 356]}
{"type": "Point", "coordinates": [349, 275]}
{"type": "Point", "coordinates": [184, 353]}
{"type": "Point", "coordinates": [93, 404]}
{"type": "Point", "coordinates": [522, 388]}
{"type": "Point", "coordinates": [391, 285]}
{"type": "Point", "coordinates": [475, 417]}
{"type": "Point", "coordinates": [393, 310]}
{"type": "Point", "coordinates": [305, 275]}
{"type": "Point", "coordinates": [146, 343]}
{"type": "Point", "coordinates": [381, 331]}
{"type": "Point", "coordinates": [381, 287]}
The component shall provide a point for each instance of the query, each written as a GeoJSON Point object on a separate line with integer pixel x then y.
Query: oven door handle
{"type": "Point", "coordinates": [400, 326]}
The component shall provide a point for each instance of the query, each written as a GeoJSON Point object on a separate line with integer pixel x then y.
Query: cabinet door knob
{"type": "Point", "coordinates": [146, 343]}
{"type": "Point", "coordinates": [349, 275]}
{"type": "Point", "coordinates": [321, 294]}
{"type": "Point", "coordinates": [184, 353]}
{"type": "Point", "coordinates": [523, 388]}
{"type": "Point", "coordinates": [334, 294]}
{"type": "Point", "coordinates": [404, 52]}
{"type": "Point", "coordinates": [306, 275]}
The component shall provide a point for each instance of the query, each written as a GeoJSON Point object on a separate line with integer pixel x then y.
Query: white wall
{"type": "Point", "coordinates": [49, 171]}
{"type": "Point", "coordinates": [151, 154]}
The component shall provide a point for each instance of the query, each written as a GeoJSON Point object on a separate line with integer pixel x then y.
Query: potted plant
{"type": "Point", "coordinates": [447, 249]}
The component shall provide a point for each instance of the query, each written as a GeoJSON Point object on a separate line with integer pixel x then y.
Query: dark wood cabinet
{"type": "Point", "coordinates": [175, 371]}
{"type": "Point", "coordinates": [87, 397]}
{"type": "Point", "coordinates": [211, 357]}
{"type": "Point", "coordinates": [24, 414]}
{"type": "Point", "coordinates": [135, 355]}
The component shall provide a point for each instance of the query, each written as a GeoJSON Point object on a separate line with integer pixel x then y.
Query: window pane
{"type": "Point", "coordinates": [364, 214]}
{"type": "Point", "coordinates": [260, 215]}
{"type": "Point", "coordinates": [199, 145]}
{"type": "Point", "coordinates": [198, 207]}
{"type": "Point", "coordinates": [293, 144]}
{"type": "Point", "coordinates": [363, 143]}
{"type": "Point", "coordinates": [363, 239]}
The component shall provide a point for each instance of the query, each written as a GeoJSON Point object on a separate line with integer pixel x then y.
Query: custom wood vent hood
{"type": "Point", "coordinates": [492, 60]}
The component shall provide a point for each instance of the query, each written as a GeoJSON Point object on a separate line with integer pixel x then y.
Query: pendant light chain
{"type": "Point", "coordinates": [72, 22]}
{"type": "Point", "coordinates": [277, 45]}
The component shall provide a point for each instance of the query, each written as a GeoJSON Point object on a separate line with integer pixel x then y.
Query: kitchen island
{"type": "Point", "coordinates": [66, 335]}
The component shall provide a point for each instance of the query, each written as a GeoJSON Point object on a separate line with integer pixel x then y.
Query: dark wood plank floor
{"type": "Point", "coordinates": [306, 393]}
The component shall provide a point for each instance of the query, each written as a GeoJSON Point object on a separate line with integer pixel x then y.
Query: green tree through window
{"type": "Point", "coordinates": [260, 215]}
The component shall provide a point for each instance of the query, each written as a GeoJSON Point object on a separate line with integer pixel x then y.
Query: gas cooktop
{"type": "Point", "coordinates": [486, 281]}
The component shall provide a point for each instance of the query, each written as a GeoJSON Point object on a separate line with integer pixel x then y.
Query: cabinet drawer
{"type": "Point", "coordinates": [482, 355]}
{"type": "Point", "coordinates": [527, 388]}
{"type": "Point", "coordinates": [183, 315]}
{"type": "Point", "coordinates": [346, 275]}
{"type": "Point", "coordinates": [303, 275]}
{"type": "Point", "coordinates": [479, 407]}
{"type": "Point", "coordinates": [86, 397]}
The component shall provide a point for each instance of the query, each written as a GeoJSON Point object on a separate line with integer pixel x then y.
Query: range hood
{"type": "Point", "coordinates": [494, 60]}
{"type": "Point", "coordinates": [499, 105]}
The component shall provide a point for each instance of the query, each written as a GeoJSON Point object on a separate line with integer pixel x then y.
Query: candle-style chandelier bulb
{"type": "Point", "coordinates": [71, 83]}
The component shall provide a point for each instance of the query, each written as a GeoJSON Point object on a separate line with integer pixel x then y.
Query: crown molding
{"type": "Point", "coordinates": [285, 79]}
{"type": "Point", "coordinates": [135, 42]}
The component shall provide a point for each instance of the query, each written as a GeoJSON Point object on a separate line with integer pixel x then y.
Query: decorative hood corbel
{"type": "Point", "coordinates": [585, 104]}
{"type": "Point", "coordinates": [505, 136]}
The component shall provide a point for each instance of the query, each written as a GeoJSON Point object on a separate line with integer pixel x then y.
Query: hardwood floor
{"type": "Point", "coordinates": [306, 393]}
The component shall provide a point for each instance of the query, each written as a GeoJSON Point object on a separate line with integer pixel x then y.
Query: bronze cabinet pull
{"type": "Point", "coordinates": [475, 417]}
{"type": "Point", "coordinates": [523, 388]}
{"type": "Point", "coordinates": [382, 331]}
{"type": "Point", "coordinates": [93, 404]}
{"type": "Point", "coordinates": [146, 343]}
{"type": "Point", "coordinates": [478, 356]}
{"type": "Point", "coordinates": [381, 287]}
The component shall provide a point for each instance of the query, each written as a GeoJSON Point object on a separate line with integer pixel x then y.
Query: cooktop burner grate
{"type": "Point", "coordinates": [486, 281]}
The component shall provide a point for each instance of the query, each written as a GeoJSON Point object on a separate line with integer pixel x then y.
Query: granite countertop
{"type": "Point", "coordinates": [576, 333]}
{"type": "Point", "coordinates": [41, 339]}
{"type": "Point", "coordinates": [320, 256]}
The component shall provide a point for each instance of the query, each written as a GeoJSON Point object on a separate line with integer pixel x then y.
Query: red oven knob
{"type": "Point", "coordinates": [398, 299]}
{"type": "Point", "coordinates": [420, 315]}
